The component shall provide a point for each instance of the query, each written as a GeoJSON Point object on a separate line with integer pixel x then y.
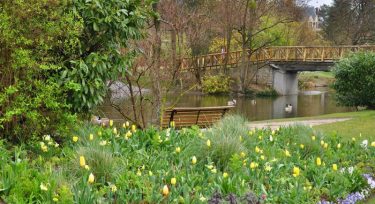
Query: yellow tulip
{"type": "Point", "coordinates": [165, 190]}
{"type": "Point", "coordinates": [115, 131]}
{"type": "Point", "coordinates": [134, 128]}
{"type": "Point", "coordinates": [253, 165]}
{"type": "Point", "coordinates": [113, 188]}
{"type": "Point", "coordinates": [225, 175]}
{"type": "Point", "coordinates": [353, 138]}
{"type": "Point", "coordinates": [75, 139]}
{"type": "Point", "coordinates": [123, 125]}
{"type": "Point", "coordinates": [214, 170]}
{"type": "Point", "coordinates": [302, 146]}
{"type": "Point", "coordinates": [110, 123]}
{"type": "Point", "coordinates": [257, 149]}
{"type": "Point", "coordinates": [91, 178]}
{"type": "Point", "coordinates": [194, 160]}
{"type": "Point", "coordinates": [87, 167]}
{"type": "Point", "coordinates": [325, 145]}
{"type": "Point", "coordinates": [127, 124]}
{"type": "Point", "coordinates": [318, 161]}
{"type": "Point", "coordinates": [173, 181]}
{"type": "Point", "coordinates": [150, 173]}
{"type": "Point", "coordinates": [178, 150]}
{"type": "Point", "coordinates": [313, 137]}
{"type": "Point", "coordinates": [287, 153]}
{"type": "Point", "coordinates": [268, 168]}
{"type": "Point", "coordinates": [91, 137]}
{"type": "Point", "coordinates": [262, 157]}
{"type": "Point", "coordinates": [334, 167]}
{"type": "Point", "coordinates": [208, 143]}
{"type": "Point", "coordinates": [296, 171]}
{"type": "Point", "coordinates": [172, 124]}
{"type": "Point", "coordinates": [55, 199]}
{"type": "Point", "coordinates": [82, 161]}
{"type": "Point", "coordinates": [338, 146]}
{"type": "Point", "coordinates": [139, 173]}
{"type": "Point", "coordinates": [243, 154]}
{"type": "Point", "coordinates": [43, 187]}
{"type": "Point", "coordinates": [322, 142]}
{"type": "Point", "coordinates": [44, 148]}
{"type": "Point", "coordinates": [373, 144]}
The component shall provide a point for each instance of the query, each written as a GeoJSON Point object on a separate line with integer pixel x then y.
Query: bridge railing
{"type": "Point", "coordinates": [274, 54]}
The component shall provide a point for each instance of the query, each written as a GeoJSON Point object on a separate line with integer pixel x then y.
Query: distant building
{"type": "Point", "coordinates": [312, 18]}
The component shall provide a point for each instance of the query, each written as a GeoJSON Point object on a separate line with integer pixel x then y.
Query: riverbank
{"type": "Point", "coordinates": [360, 123]}
{"type": "Point", "coordinates": [308, 80]}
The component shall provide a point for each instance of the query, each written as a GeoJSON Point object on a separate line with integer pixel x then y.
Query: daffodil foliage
{"type": "Point", "coordinates": [122, 164]}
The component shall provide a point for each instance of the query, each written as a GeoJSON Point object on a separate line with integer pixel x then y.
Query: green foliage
{"type": "Point", "coordinates": [141, 162]}
{"type": "Point", "coordinates": [355, 80]}
{"type": "Point", "coordinates": [218, 84]}
{"type": "Point", "coordinates": [104, 52]}
{"type": "Point", "coordinates": [33, 37]}
{"type": "Point", "coordinates": [57, 58]}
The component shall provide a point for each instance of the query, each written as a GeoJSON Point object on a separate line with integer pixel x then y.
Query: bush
{"type": "Point", "coordinates": [218, 84]}
{"type": "Point", "coordinates": [267, 93]}
{"type": "Point", "coordinates": [355, 80]}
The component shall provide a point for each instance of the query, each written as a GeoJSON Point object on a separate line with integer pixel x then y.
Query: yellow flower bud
{"type": "Point", "coordinates": [75, 139]}
{"type": "Point", "coordinates": [257, 149]}
{"type": "Point", "coordinates": [253, 165]}
{"type": "Point", "coordinates": [287, 154]}
{"type": "Point", "coordinates": [110, 123]}
{"type": "Point", "coordinates": [338, 146]}
{"type": "Point", "coordinates": [173, 181]}
{"type": "Point", "coordinates": [208, 143]}
{"type": "Point", "coordinates": [322, 142]}
{"type": "Point", "coordinates": [165, 190]}
{"type": "Point", "coordinates": [313, 137]}
{"type": "Point", "coordinates": [325, 145]}
{"type": "Point", "coordinates": [134, 128]}
{"type": "Point", "coordinates": [82, 161]}
{"type": "Point", "coordinates": [296, 171]}
{"type": "Point", "coordinates": [178, 150]}
{"type": "Point", "coordinates": [194, 160]}
{"type": "Point", "coordinates": [302, 146]}
{"type": "Point", "coordinates": [334, 167]}
{"type": "Point", "coordinates": [55, 199]}
{"type": "Point", "coordinates": [91, 137]}
{"type": "Point", "coordinates": [242, 154]}
{"type": "Point", "coordinates": [115, 131]}
{"type": "Point", "coordinates": [127, 124]}
{"type": "Point", "coordinates": [373, 144]}
{"type": "Point", "coordinates": [318, 161]}
{"type": "Point", "coordinates": [225, 175]}
{"type": "Point", "coordinates": [353, 138]}
{"type": "Point", "coordinates": [87, 167]}
{"type": "Point", "coordinates": [113, 188]}
{"type": "Point", "coordinates": [91, 178]}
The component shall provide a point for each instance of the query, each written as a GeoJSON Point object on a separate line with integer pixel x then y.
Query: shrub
{"type": "Point", "coordinates": [218, 84]}
{"type": "Point", "coordinates": [267, 93]}
{"type": "Point", "coordinates": [355, 80]}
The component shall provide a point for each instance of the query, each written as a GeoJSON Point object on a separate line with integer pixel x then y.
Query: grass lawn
{"type": "Point", "coordinates": [362, 122]}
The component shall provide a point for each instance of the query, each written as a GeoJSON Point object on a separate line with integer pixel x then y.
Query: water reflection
{"type": "Point", "coordinates": [307, 103]}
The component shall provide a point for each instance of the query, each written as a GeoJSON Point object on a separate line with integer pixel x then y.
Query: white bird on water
{"type": "Point", "coordinates": [233, 102]}
{"type": "Point", "coordinates": [288, 108]}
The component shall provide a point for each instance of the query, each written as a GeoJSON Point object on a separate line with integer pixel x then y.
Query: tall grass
{"type": "Point", "coordinates": [225, 138]}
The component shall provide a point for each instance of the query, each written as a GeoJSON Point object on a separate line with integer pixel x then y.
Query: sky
{"type": "Point", "coordinates": [318, 3]}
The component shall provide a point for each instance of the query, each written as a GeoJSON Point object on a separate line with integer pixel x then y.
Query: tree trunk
{"type": "Point", "coordinates": [155, 74]}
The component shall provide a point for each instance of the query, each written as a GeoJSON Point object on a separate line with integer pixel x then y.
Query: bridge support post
{"type": "Point", "coordinates": [285, 82]}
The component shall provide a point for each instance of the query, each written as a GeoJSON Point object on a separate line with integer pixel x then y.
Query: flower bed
{"type": "Point", "coordinates": [226, 163]}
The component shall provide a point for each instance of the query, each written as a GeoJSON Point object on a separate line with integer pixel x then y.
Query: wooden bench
{"type": "Point", "coordinates": [200, 116]}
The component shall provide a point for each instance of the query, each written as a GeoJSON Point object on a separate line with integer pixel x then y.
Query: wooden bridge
{"type": "Point", "coordinates": [274, 55]}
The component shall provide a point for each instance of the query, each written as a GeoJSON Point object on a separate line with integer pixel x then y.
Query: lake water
{"type": "Point", "coordinates": [306, 103]}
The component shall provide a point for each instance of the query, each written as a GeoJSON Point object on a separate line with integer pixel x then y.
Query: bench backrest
{"type": "Point", "coordinates": [200, 116]}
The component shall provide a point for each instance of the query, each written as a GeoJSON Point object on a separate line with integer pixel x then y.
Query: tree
{"type": "Point", "coordinates": [355, 80]}
{"type": "Point", "coordinates": [57, 57]}
{"type": "Point", "coordinates": [349, 21]}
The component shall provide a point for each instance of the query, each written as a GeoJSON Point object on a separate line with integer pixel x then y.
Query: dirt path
{"type": "Point", "coordinates": [275, 125]}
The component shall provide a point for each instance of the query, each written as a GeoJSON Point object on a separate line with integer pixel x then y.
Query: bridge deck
{"type": "Point", "coordinates": [274, 54]}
